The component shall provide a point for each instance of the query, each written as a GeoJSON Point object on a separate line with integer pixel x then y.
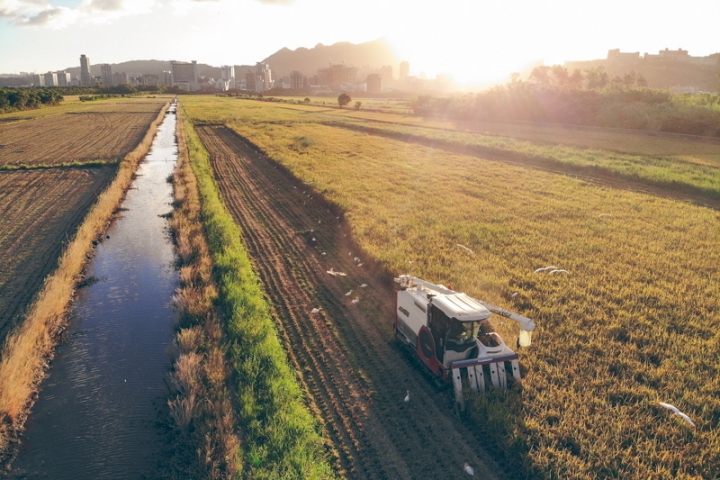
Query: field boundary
{"type": "Point", "coordinates": [27, 352]}
{"type": "Point", "coordinates": [596, 174]}
{"type": "Point", "coordinates": [281, 438]}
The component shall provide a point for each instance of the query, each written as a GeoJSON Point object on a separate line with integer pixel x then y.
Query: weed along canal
{"type": "Point", "coordinates": [96, 413]}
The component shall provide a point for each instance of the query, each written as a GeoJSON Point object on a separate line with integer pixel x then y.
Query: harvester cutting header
{"type": "Point", "coordinates": [447, 331]}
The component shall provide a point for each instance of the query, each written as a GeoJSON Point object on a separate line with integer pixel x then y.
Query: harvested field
{"type": "Point", "coordinates": [76, 137]}
{"type": "Point", "coordinates": [40, 211]}
{"type": "Point", "coordinates": [355, 377]}
{"type": "Point", "coordinates": [631, 325]}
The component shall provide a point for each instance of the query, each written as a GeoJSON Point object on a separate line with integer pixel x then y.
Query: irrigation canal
{"type": "Point", "coordinates": [96, 413]}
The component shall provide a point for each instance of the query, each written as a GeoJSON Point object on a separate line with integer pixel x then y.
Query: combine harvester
{"type": "Point", "coordinates": [446, 330]}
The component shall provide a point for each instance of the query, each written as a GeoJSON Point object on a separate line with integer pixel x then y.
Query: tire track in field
{"type": "Point", "coordinates": [356, 378]}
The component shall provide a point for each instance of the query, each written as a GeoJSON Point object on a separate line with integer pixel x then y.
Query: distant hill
{"type": "Point", "coordinates": [372, 54]}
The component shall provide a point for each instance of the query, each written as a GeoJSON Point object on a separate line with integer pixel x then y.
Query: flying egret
{"type": "Point", "coordinates": [558, 271]}
{"type": "Point", "coordinates": [545, 269]}
{"type": "Point", "coordinates": [677, 412]}
{"type": "Point", "coordinates": [468, 469]}
{"type": "Point", "coordinates": [407, 396]}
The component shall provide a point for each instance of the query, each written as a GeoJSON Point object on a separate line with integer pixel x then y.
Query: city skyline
{"type": "Point", "coordinates": [469, 41]}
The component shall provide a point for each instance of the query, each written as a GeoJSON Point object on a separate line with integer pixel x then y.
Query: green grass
{"type": "Point", "coordinates": [281, 438]}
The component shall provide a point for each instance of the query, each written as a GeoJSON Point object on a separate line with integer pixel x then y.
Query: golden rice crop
{"type": "Point", "coordinates": [635, 321]}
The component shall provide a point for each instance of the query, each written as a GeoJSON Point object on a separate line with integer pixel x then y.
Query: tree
{"type": "Point", "coordinates": [358, 105]}
{"type": "Point", "coordinates": [307, 100]}
{"type": "Point", "coordinates": [343, 99]}
{"type": "Point", "coordinates": [641, 82]}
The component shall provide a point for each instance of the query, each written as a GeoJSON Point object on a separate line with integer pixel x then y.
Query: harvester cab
{"type": "Point", "coordinates": [448, 332]}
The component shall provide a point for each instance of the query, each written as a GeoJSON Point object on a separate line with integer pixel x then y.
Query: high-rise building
{"type": "Point", "coordinates": [86, 79]}
{"type": "Point", "coordinates": [38, 80]}
{"type": "Point", "coordinates": [250, 81]}
{"type": "Point", "coordinates": [227, 73]}
{"type": "Point", "coordinates": [336, 75]}
{"type": "Point", "coordinates": [106, 74]}
{"type": "Point", "coordinates": [263, 77]}
{"type": "Point", "coordinates": [403, 75]}
{"type": "Point", "coordinates": [297, 80]}
{"type": "Point", "coordinates": [64, 79]}
{"type": "Point", "coordinates": [374, 83]}
{"type": "Point", "coordinates": [120, 78]}
{"type": "Point", "coordinates": [165, 78]}
{"type": "Point", "coordinates": [185, 75]}
{"type": "Point", "coordinates": [51, 79]}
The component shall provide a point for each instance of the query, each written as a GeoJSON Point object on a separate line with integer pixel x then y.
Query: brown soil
{"type": "Point", "coordinates": [354, 372]}
{"type": "Point", "coordinates": [90, 136]}
{"type": "Point", "coordinates": [40, 211]}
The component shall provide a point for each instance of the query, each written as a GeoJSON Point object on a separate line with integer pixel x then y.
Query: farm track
{"type": "Point", "coordinates": [355, 376]}
{"type": "Point", "coordinates": [599, 176]}
{"type": "Point", "coordinates": [40, 211]}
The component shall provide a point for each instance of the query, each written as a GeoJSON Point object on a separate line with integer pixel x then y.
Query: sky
{"type": "Point", "coordinates": [473, 41]}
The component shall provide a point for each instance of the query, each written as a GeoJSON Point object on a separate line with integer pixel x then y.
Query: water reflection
{"type": "Point", "coordinates": [96, 412]}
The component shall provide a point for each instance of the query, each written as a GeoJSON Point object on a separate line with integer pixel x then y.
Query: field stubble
{"type": "Point", "coordinates": [29, 348]}
{"type": "Point", "coordinates": [106, 133]}
{"type": "Point", "coordinates": [635, 322]}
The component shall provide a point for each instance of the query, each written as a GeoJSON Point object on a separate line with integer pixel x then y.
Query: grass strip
{"type": "Point", "coordinates": [75, 164]}
{"type": "Point", "coordinates": [29, 349]}
{"type": "Point", "coordinates": [281, 437]}
{"type": "Point", "coordinates": [203, 440]}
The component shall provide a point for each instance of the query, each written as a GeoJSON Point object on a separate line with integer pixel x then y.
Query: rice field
{"type": "Point", "coordinates": [634, 322]}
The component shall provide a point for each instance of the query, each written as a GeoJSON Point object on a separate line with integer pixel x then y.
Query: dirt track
{"type": "Point", "coordinates": [354, 373]}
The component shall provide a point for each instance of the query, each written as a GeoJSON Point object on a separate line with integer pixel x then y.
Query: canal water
{"type": "Point", "coordinates": [96, 414]}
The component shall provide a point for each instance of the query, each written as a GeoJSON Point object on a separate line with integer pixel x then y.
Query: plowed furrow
{"type": "Point", "coordinates": [357, 378]}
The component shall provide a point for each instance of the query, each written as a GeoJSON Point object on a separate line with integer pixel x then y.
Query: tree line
{"type": "Point", "coordinates": [590, 98]}
{"type": "Point", "coordinates": [15, 99]}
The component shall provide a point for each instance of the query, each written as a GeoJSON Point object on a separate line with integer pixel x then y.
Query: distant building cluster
{"type": "Point", "coordinates": [336, 77]}
{"type": "Point", "coordinates": [663, 56]}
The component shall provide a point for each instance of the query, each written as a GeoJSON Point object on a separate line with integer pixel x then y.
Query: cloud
{"type": "Point", "coordinates": [106, 5]}
{"type": "Point", "coordinates": [42, 14]}
{"type": "Point", "coordinates": [277, 2]}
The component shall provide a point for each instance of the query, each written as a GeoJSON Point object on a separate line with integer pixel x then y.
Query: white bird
{"type": "Point", "coordinates": [552, 272]}
{"type": "Point", "coordinates": [364, 285]}
{"type": "Point", "coordinates": [465, 248]}
{"type": "Point", "coordinates": [355, 300]}
{"type": "Point", "coordinates": [514, 295]}
{"type": "Point", "coordinates": [356, 259]}
{"type": "Point", "coordinates": [360, 264]}
{"type": "Point", "coordinates": [348, 293]}
{"type": "Point", "coordinates": [314, 311]}
{"type": "Point", "coordinates": [324, 253]}
{"type": "Point", "coordinates": [603, 215]}
{"type": "Point", "coordinates": [407, 396]}
{"type": "Point", "coordinates": [545, 269]}
{"type": "Point", "coordinates": [313, 239]}
{"type": "Point", "coordinates": [336, 274]}
{"type": "Point", "coordinates": [677, 412]}
{"type": "Point", "coordinates": [468, 469]}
